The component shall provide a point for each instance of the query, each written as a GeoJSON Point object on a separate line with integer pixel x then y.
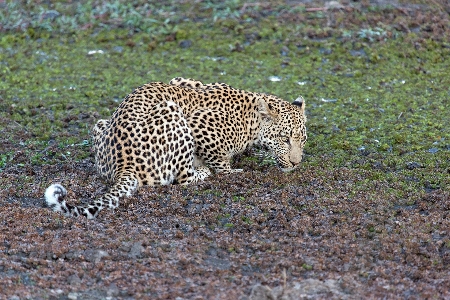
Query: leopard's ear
{"type": "Point", "coordinates": [300, 102]}
{"type": "Point", "coordinates": [266, 111]}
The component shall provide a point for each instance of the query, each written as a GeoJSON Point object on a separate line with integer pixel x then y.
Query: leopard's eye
{"type": "Point", "coordinates": [285, 139]}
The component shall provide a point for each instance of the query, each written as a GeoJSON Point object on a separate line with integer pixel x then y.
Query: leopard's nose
{"type": "Point", "coordinates": [295, 156]}
{"type": "Point", "coordinates": [295, 163]}
{"type": "Point", "coordinates": [295, 160]}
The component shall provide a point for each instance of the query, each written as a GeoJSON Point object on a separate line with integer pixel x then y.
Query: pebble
{"type": "Point", "coordinates": [411, 165]}
{"type": "Point", "coordinates": [136, 250]}
{"type": "Point", "coordinates": [113, 290]}
{"type": "Point", "coordinates": [118, 49]}
{"type": "Point", "coordinates": [274, 78]}
{"type": "Point", "coordinates": [95, 255]}
{"type": "Point", "coordinates": [433, 150]}
{"type": "Point", "coordinates": [73, 279]}
{"type": "Point", "coordinates": [72, 296]}
{"type": "Point", "coordinates": [185, 44]}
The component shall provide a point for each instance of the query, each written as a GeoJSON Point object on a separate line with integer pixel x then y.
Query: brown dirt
{"type": "Point", "coordinates": [220, 238]}
{"type": "Point", "coordinates": [261, 234]}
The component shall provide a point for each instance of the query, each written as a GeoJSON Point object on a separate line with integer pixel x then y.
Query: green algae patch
{"type": "Point", "coordinates": [370, 103]}
{"type": "Point", "coordinates": [372, 190]}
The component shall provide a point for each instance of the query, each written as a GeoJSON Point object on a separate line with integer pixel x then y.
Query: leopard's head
{"type": "Point", "coordinates": [283, 129]}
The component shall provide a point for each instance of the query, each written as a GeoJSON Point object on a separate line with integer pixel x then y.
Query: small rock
{"type": "Point", "coordinates": [26, 280]}
{"type": "Point", "coordinates": [261, 292]}
{"type": "Point", "coordinates": [218, 263]}
{"type": "Point", "coordinates": [305, 289]}
{"type": "Point", "coordinates": [118, 49]}
{"type": "Point", "coordinates": [334, 5]}
{"type": "Point", "coordinates": [72, 296]}
{"type": "Point", "coordinates": [377, 165]}
{"type": "Point", "coordinates": [136, 250]}
{"type": "Point", "coordinates": [72, 254]}
{"type": "Point", "coordinates": [74, 279]}
{"type": "Point", "coordinates": [165, 247]}
{"type": "Point", "coordinates": [359, 52]}
{"type": "Point", "coordinates": [50, 14]}
{"type": "Point", "coordinates": [433, 150]}
{"type": "Point", "coordinates": [284, 51]}
{"type": "Point", "coordinates": [212, 250]}
{"type": "Point", "coordinates": [95, 255]}
{"type": "Point", "coordinates": [185, 44]}
{"type": "Point", "coordinates": [328, 100]}
{"type": "Point", "coordinates": [50, 256]}
{"type": "Point", "coordinates": [313, 287]}
{"type": "Point", "coordinates": [274, 78]}
{"type": "Point", "coordinates": [413, 165]}
{"type": "Point", "coordinates": [113, 290]}
{"type": "Point", "coordinates": [325, 51]}
{"type": "Point", "coordinates": [92, 52]}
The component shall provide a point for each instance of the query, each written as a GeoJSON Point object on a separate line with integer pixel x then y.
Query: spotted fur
{"type": "Point", "coordinates": [173, 133]}
{"type": "Point", "coordinates": [231, 120]}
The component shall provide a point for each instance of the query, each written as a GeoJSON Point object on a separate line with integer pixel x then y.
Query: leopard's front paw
{"type": "Point", "coordinates": [202, 172]}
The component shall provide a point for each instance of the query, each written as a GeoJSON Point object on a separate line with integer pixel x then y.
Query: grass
{"type": "Point", "coordinates": [372, 103]}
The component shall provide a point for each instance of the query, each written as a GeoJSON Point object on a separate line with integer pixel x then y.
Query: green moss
{"type": "Point", "coordinates": [238, 198]}
{"type": "Point", "coordinates": [362, 96]}
{"type": "Point", "coordinates": [5, 158]}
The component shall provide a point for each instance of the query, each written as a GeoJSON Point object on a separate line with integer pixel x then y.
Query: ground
{"type": "Point", "coordinates": [366, 215]}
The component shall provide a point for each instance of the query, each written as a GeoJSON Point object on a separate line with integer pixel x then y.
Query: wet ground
{"type": "Point", "coordinates": [359, 219]}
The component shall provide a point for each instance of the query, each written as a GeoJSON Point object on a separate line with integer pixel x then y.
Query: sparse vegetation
{"type": "Point", "coordinates": [369, 205]}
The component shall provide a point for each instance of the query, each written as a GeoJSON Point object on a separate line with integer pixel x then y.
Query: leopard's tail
{"type": "Point", "coordinates": [55, 194]}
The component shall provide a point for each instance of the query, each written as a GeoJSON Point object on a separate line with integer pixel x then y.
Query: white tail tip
{"type": "Point", "coordinates": [54, 195]}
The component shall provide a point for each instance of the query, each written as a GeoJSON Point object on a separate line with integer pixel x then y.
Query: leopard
{"type": "Point", "coordinates": [176, 133]}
